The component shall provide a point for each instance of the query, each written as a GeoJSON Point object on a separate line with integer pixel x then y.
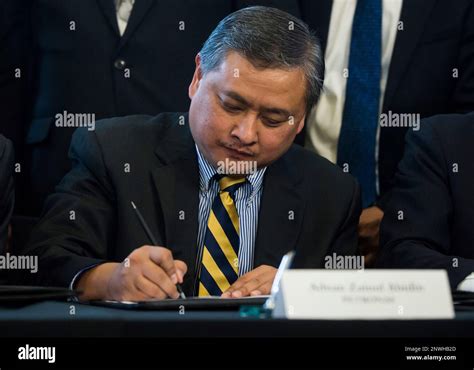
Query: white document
{"type": "Point", "coordinates": [364, 294]}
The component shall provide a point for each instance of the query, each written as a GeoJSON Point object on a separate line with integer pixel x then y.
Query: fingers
{"type": "Point", "coordinates": [256, 282]}
{"type": "Point", "coordinates": [238, 284]}
{"type": "Point", "coordinates": [130, 292]}
{"type": "Point", "coordinates": [369, 259]}
{"type": "Point", "coordinates": [369, 247]}
{"type": "Point", "coordinates": [150, 273]}
{"type": "Point", "coordinates": [181, 269]}
{"type": "Point", "coordinates": [160, 278]}
{"type": "Point", "coordinates": [244, 289]}
{"type": "Point", "coordinates": [149, 289]}
{"type": "Point", "coordinates": [263, 289]}
{"type": "Point", "coordinates": [163, 258]}
{"type": "Point", "coordinates": [369, 221]}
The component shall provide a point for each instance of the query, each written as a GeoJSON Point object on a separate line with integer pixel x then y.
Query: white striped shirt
{"type": "Point", "coordinates": [247, 202]}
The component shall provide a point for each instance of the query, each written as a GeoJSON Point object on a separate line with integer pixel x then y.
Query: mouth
{"type": "Point", "coordinates": [239, 154]}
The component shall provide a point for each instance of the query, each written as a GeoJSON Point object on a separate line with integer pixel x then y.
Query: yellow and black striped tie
{"type": "Point", "coordinates": [220, 265]}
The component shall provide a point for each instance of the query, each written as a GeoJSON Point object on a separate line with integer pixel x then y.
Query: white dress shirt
{"type": "Point", "coordinates": [325, 120]}
{"type": "Point", "coordinates": [123, 9]}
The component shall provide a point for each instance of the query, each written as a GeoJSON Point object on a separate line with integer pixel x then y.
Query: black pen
{"type": "Point", "coordinates": [154, 242]}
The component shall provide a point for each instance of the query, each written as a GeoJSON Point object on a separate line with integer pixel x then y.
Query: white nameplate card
{"type": "Point", "coordinates": [364, 294]}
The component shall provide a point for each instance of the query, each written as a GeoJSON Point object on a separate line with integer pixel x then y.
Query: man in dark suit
{"type": "Point", "coordinates": [428, 218]}
{"type": "Point", "coordinates": [105, 58]}
{"type": "Point", "coordinates": [253, 84]}
{"type": "Point", "coordinates": [423, 52]}
{"type": "Point", "coordinates": [7, 196]}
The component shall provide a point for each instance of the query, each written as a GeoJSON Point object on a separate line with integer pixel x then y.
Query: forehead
{"type": "Point", "coordinates": [262, 85]}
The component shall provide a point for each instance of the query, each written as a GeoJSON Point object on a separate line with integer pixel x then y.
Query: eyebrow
{"type": "Point", "coordinates": [243, 101]}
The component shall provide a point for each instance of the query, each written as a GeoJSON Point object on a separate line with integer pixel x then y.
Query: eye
{"type": "Point", "coordinates": [231, 108]}
{"type": "Point", "coordinates": [271, 122]}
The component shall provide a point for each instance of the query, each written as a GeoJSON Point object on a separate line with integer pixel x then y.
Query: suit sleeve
{"type": "Point", "coordinates": [78, 220]}
{"type": "Point", "coordinates": [415, 230]}
{"type": "Point", "coordinates": [7, 194]}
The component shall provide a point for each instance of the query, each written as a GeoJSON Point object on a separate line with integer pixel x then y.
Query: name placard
{"type": "Point", "coordinates": [364, 294]}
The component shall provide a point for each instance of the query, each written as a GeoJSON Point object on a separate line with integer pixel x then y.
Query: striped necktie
{"type": "Point", "coordinates": [357, 140]}
{"type": "Point", "coordinates": [220, 267]}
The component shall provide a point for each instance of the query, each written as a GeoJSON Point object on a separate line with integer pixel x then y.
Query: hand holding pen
{"type": "Point", "coordinates": [148, 273]}
{"type": "Point", "coordinates": [167, 264]}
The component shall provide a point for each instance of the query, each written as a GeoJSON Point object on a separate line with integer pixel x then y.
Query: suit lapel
{"type": "Point", "coordinates": [139, 11]}
{"type": "Point", "coordinates": [108, 9]}
{"type": "Point", "coordinates": [414, 16]}
{"type": "Point", "coordinates": [281, 213]}
{"type": "Point", "coordinates": [177, 185]}
{"type": "Point", "coordinates": [176, 179]}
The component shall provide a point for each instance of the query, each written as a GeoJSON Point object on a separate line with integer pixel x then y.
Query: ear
{"type": "Point", "coordinates": [301, 124]}
{"type": "Point", "coordinates": [193, 87]}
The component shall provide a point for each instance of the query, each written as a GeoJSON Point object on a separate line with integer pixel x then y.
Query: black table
{"type": "Point", "coordinates": [68, 319]}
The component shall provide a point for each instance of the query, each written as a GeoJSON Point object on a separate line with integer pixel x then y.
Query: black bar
{"type": "Point", "coordinates": [135, 353]}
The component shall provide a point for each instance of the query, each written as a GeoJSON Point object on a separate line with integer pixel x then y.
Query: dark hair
{"type": "Point", "coordinates": [268, 38]}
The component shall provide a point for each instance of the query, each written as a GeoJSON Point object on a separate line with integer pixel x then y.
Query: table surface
{"type": "Point", "coordinates": [68, 319]}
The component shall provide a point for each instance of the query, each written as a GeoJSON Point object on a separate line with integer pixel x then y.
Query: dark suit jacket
{"type": "Point", "coordinates": [7, 195]}
{"type": "Point", "coordinates": [13, 38]}
{"type": "Point", "coordinates": [83, 70]}
{"type": "Point", "coordinates": [437, 36]}
{"type": "Point", "coordinates": [163, 179]}
{"type": "Point", "coordinates": [434, 190]}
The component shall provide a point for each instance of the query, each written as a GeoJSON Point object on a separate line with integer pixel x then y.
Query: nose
{"type": "Point", "coordinates": [246, 130]}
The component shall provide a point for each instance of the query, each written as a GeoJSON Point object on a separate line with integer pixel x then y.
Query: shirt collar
{"type": "Point", "coordinates": [207, 173]}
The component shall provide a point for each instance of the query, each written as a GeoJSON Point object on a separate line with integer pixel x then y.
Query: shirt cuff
{"type": "Point", "coordinates": [76, 277]}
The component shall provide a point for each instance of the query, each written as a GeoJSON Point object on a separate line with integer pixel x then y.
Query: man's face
{"type": "Point", "coordinates": [242, 113]}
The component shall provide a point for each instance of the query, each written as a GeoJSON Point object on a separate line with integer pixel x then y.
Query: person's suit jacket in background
{"type": "Point", "coordinates": [13, 71]}
{"type": "Point", "coordinates": [7, 195]}
{"type": "Point", "coordinates": [431, 70]}
{"type": "Point", "coordinates": [81, 64]}
{"type": "Point", "coordinates": [308, 204]}
{"type": "Point", "coordinates": [428, 219]}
